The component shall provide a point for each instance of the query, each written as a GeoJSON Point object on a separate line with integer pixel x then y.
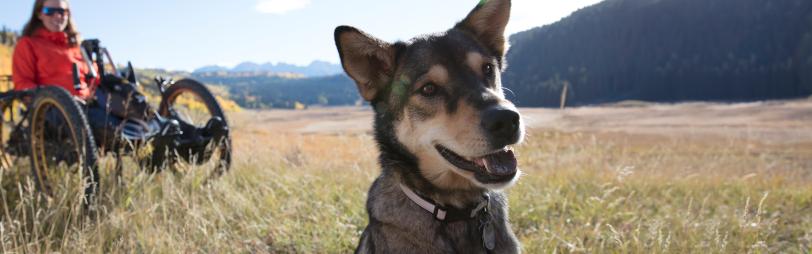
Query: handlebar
{"type": "Point", "coordinates": [77, 83]}
{"type": "Point", "coordinates": [89, 63]}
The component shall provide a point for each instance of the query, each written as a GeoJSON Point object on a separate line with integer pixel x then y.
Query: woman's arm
{"type": "Point", "coordinates": [24, 65]}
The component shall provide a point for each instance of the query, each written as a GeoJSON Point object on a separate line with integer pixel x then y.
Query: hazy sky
{"type": "Point", "coordinates": [187, 34]}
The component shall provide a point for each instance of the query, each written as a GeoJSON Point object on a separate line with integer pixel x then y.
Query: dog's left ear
{"type": "Point", "coordinates": [487, 22]}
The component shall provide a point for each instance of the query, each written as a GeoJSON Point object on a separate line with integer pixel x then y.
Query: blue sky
{"type": "Point", "coordinates": [187, 34]}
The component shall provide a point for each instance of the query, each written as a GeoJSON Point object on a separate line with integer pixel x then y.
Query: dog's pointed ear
{"type": "Point", "coordinates": [368, 60]}
{"type": "Point", "coordinates": [487, 22]}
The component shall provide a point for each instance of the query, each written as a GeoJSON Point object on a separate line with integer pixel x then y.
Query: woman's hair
{"type": "Point", "coordinates": [35, 23]}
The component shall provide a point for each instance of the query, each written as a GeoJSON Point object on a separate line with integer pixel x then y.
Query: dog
{"type": "Point", "coordinates": [444, 130]}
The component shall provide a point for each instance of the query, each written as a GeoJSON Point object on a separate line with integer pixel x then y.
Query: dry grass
{"type": "Point", "coordinates": [621, 193]}
{"type": "Point", "coordinates": [581, 191]}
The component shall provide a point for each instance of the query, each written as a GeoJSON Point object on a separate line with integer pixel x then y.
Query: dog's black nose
{"type": "Point", "coordinates": [502, 125]}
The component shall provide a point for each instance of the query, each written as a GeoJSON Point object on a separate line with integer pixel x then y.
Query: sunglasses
{"type": "Point", "coordinates": [50, 11]}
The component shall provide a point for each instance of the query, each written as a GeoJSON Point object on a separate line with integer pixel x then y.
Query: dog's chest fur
{"type": "Point", "coordinates": [398, 225]}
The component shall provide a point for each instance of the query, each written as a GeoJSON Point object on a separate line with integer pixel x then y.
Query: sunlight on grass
{"type": "Point", "coordinates": [580, 192]}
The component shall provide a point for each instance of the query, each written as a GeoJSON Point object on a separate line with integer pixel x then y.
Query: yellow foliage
{"type": "Point", "coordinates": [190, 102]}
{"type": "Point", "coordinates": [5, 67]}
{"type": "Point", "coordinates": [5, 60]}
{"type": "Point", "coordinates": [13, 113]}
{"type": "Point", "coordinates": [299, 106]}
{"type": "Point", "coordinates": [228, 105]}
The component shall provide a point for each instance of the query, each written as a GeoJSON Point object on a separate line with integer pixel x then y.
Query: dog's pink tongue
{"type": "Point", "coordinates": [501, 163]}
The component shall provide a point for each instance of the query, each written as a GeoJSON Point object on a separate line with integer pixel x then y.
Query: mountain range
{"type": "Point", "coordinates": [314, 69]}
{"type": "Point", "coordinates": [649, 50]}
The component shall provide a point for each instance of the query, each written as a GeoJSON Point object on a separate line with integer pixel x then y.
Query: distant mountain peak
{"type": "Point", "coordinates": [314, 69]}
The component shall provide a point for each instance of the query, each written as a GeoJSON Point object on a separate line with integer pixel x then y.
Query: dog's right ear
{"type": "Point", "coordinates": [487, 22]}
{"type": "Point", "coordinates": [368, 61]}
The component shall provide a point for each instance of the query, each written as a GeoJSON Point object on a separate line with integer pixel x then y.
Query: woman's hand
{"type": "Point", "coordinates": [81, 101]}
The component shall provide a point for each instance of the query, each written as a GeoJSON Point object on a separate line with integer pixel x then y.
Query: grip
{"type": "Point", "coordinates": [77, 82]}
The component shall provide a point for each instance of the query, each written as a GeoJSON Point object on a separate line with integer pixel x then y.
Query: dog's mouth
{"type": "Point", "coordinates": [495, 167]}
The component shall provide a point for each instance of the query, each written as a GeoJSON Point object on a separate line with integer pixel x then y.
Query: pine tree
{"type": "Point", "coordinates": [4, 35]}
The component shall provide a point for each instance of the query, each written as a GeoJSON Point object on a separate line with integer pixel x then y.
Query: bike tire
{"type": "Point", "coordinates": [75, 135]}
{"type": "Point", "coordinates": [207, 97]}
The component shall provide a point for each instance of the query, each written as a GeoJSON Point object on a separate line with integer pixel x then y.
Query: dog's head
{"type": "Point", "coordinates": [439, 98]}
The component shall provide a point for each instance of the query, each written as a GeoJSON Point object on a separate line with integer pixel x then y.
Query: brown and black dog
{"type": "Point", "coordinates": [444, 130]}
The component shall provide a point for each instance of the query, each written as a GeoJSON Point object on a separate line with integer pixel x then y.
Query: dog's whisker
{"type": "Point", "coordinates": [436, 176]}
{"type": "Point", "coordinates": [511, 91]}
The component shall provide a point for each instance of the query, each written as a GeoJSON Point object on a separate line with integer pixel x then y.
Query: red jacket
{"type": "Point", "coordinates": [46, 58]}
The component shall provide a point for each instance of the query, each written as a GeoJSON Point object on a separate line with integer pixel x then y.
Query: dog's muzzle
{"type": "Point", "coordinates": [502, 125]}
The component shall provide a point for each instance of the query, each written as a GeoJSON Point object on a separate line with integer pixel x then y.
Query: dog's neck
{"type": "Point", "coordinates": [411, 178]}
{"type": "Point", "coordinates": [448, 214]}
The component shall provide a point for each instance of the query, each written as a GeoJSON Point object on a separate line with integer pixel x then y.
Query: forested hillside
{"type": "Point", "coordinates": [666, 50]}
{"type": "Point", "coordinates": [262, 91]}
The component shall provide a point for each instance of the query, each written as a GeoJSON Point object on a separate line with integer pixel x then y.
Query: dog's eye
{"type": "Point", "coordinates": [429, 90]}
{"type": "Point", "coordinates": [487, 70]}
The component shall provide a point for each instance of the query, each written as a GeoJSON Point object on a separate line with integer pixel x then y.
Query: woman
{"type": "Point", "coordinates": [49, 47]}
{"type": "Point", "coordinates": [45, 55]}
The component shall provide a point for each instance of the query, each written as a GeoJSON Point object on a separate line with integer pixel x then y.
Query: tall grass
{"type": "Point", "coordinates": [580, 192]}
{"type": "Point", "coordinates": [621, 193]}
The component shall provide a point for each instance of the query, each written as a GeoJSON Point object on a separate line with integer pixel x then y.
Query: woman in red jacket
{"type": "Point", "coordinates": [49, 47]}
{"type": "Point", "coordinates": [45, 55]}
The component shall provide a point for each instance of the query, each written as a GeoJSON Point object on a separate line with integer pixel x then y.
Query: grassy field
{"type": "Point", "coordinates": [299, 185]}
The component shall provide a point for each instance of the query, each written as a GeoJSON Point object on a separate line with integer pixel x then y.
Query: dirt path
{"type": "Point", "coordinates": [770, 122]}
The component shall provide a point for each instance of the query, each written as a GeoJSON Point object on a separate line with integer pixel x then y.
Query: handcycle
{"type": "Point", "coordinates": [64, 138]}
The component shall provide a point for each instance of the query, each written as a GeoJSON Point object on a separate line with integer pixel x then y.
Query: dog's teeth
{"type": "Point", "coordinates": [478, 161]}
{"type": "Point", "coordinates": [482, 162]}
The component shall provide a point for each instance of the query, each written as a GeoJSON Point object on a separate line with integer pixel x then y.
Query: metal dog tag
{"type": "Point", "coordinates": [488, 235]}
{"type": "Point", "coordinates": [486, 226]}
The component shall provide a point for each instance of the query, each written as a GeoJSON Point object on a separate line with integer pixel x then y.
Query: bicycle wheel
{"type": "Point", "coordinates": [196, 108]}
{"type": "Point", "coordinates": [13, 134]}
{"type": "Point", "coordinates": [63, 152]}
